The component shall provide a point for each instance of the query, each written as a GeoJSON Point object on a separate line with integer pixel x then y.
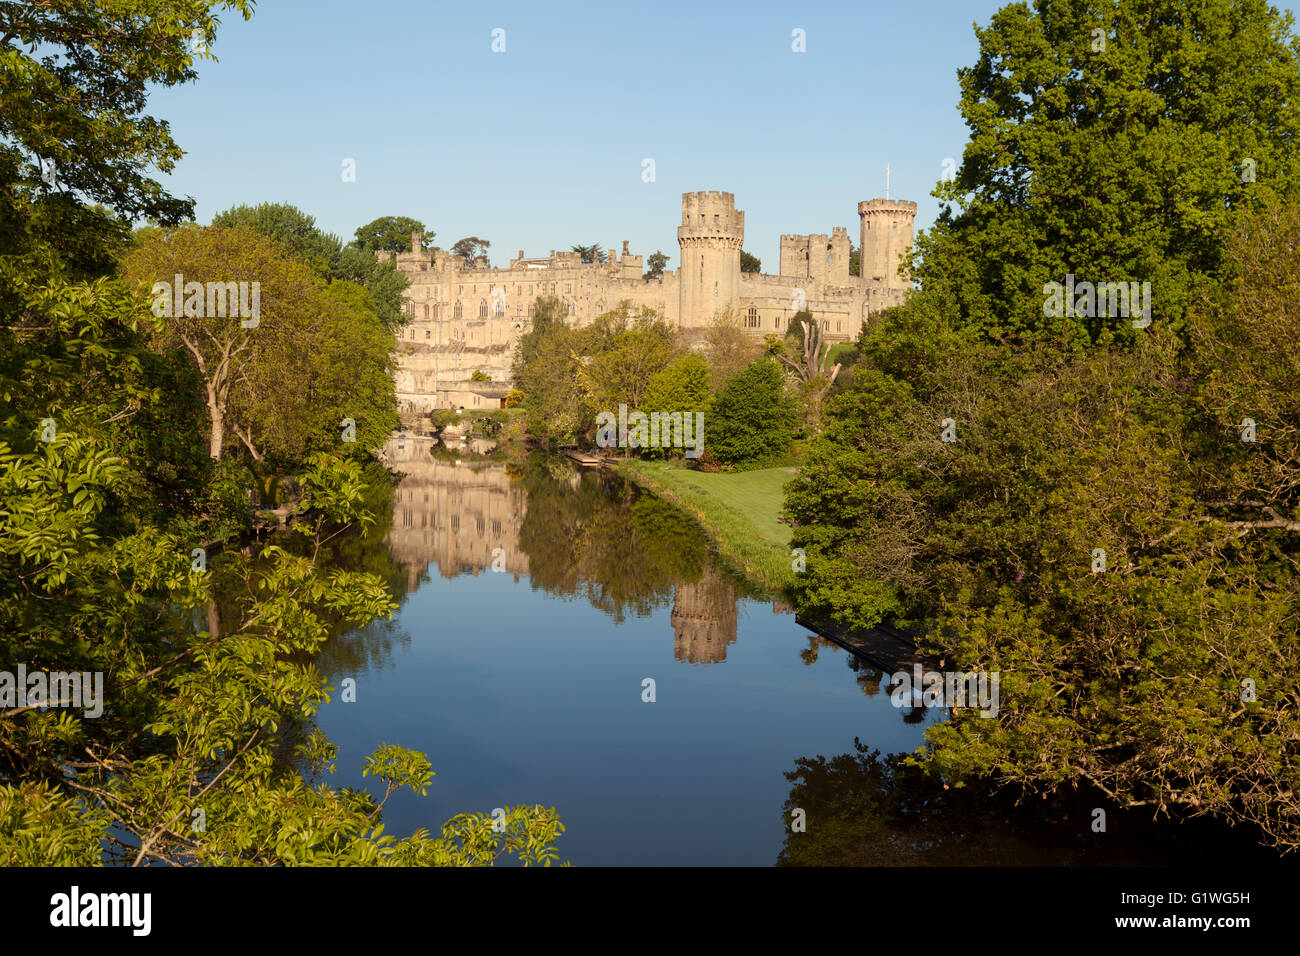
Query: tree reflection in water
{"type": "Point", "coordinates": [862, 809]}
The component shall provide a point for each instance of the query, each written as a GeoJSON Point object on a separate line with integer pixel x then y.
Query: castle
{"type": "Point", "coordinates": [466, 317]}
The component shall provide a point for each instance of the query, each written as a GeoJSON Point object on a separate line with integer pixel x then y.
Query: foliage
{"type": "Point", "coordinates": [727, 346]}
{"type": "Point", "coordinates": [390, 234]}
{"type": "Point", "coordinates": [566, 375]}
{"type": "Point", "coordinates": [325, 254]}
{"type": "Point", "coordinates": [750, 263]}
{"type": "Point", "coordinates": [73, 80]}
{"type": "Point", "coordinates": [681, 386]}
{"type": "Point", "coordinates": [656, 263]}
{"type": "Point", "coordinates": [591, 254]}
{"type": "Point", "coordinates": [1114, 144]}
{"type": "Point", "coordinates": [105, 493]}
{"type": "Point", "coordinates": [1098, 533]}
{"type": "Point", "coordinates": [753, 418]}
{"type": "Point", "coordinates": [473, 249]}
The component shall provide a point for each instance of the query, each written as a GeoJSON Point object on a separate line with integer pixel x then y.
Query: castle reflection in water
{"type": "Point", "coordinates": [464, 516]}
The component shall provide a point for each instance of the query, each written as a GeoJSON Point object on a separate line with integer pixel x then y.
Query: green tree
{"type": "Point", "coordinates": [325, 254]}
{"type": "Point", "coordinates": [592, 253]}
{"type": "Point", "coordinates": [390, 234]}
{"type": "Point", "coordinates": [681, 386]}
{"type": "Point", "coordinates": [1094, 529]}
{"type": "Point", "coordinates": [1111, 142]}
{"type": "Point", "coordinates": [749, 263]}
{"type": "Point", "coordinates": [105, 492]}
{"type": "Point", "coordinates": [753, 418]}
{"type": "Point", "coordinates": [728, 346]}
{"type": "Point", "coordinates": [473, 249]}
{"type": "Point", "coordinates": [74, 79]}
{"type": "Point", "coordinates": [657, 261]}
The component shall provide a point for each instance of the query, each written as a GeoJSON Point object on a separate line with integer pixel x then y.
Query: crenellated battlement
{"type": "Point", "coordinates": [893, 206]}
{"type": "Point", "coordinates": [712, 211]}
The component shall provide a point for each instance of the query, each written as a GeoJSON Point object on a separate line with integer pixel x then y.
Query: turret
{"type": "Point", "coordinates": [710, 237]}
{"type": "Point", "coordinates": [887, 230]}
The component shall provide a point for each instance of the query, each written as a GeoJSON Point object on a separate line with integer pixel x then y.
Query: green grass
{"type": "Point", "coordinates": [740, 510]}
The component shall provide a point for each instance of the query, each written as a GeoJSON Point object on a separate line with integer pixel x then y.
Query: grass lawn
{"type": "Point", "coordinates": [741, 510]}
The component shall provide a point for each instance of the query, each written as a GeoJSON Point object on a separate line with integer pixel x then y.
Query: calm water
{"type": "Point", "coordinates": [538, 599]}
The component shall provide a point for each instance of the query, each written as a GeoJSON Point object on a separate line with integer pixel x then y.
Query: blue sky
{"type": "Point", "coordinates": [542, 146]}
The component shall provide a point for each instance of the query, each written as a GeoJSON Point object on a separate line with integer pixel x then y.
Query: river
{"type": "Point", "coordinates": [537, 600]}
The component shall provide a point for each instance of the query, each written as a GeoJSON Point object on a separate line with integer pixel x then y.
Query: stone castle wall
{"type": "Point", "coordinates": [467, 317]}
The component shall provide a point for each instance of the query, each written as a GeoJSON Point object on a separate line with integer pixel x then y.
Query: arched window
{"type": "Point", "coordinates": [459, 312]}
{"type": "Point", "coordinates": [482, 308]}
{"type": "Point", "coordinates": [426, 311]}
{"type": "Point", "coordinates": [571, 309]}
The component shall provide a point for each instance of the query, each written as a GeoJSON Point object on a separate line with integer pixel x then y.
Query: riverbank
{"type": "Point", "coordinates": [741, 512]}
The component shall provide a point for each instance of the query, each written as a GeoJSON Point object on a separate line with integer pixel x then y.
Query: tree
{"type": "Point", "coordinates": [325, 254]}
{"type": "Point", "coordinates": [391, 234]}
{"type": "Point", "coordinates": [107, 503]}
{"type": "Point", "coordinates": [291, 227]}
{"type": "Point", "coordinates": [1112, 147]}
{"type": "Point", "coordinates": [727, 346]}
{"type": "Point", "coordinates": [752, 419]}
{"type": "Point", "coordinates": [473, 249]}
{"type": "Point", "coordinates": [749, 263]}
{"type": "Point", "coordinates": [592, 253]}
{"type": "Point", "coordinates": [811, 365]}
{"type": "Point", "coordinates": [624, 349]}
{"type": "Point", "coordinates": [79, 103]}
{"type": "Point", "coordinates": [1105, 530]}
{"type": "Point", "coordinates": [855, 260]}
{"type": "Point", "coordinates": [657, 262]}
{"type": "Point", "coordinates": [682, 386]}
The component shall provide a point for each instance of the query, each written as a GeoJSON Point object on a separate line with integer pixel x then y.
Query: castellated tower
{"type": "Point", "coordinates": [887, 228]}
{"type": "Point", "coordinates": [710, 236]}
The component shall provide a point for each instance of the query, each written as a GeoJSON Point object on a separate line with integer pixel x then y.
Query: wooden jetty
{"type": "Point", "coordinates": [883, 646]}
{"type": "Point", "coordinates": [586, 458]}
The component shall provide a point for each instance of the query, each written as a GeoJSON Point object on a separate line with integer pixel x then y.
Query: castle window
{"type": "Point", "coordinates": [839, 326]}
{"type": "Point", "coordinates": [776, 323]}
{"type": "Point", "coordinates": [426, 311]}
{"type": "Point", "coordinates": [460, 311]}
{"type": "Point", "coordinates": [571, 309]}
{"type": "Point", "coordinates": [482, 308]}
{"type": "Point", "coordinates": [428, 333]}
{"type": "Point", "coordinates": [751, 319]}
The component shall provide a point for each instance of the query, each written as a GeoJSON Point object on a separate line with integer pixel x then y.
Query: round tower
{"type": "Point", "coordinates": [887, 231]}
{"type": "Point", "coordinates": [710, 236]}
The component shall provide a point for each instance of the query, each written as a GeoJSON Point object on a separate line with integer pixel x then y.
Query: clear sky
{"type": "Point", "coordinates": [543, 145]}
